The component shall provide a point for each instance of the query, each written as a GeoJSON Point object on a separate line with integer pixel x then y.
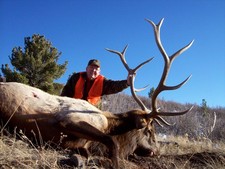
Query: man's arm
{"type": "Point", "coordinates": [112, 87]}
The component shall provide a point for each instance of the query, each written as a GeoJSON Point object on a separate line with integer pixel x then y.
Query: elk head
{"type": "Point", "coordinates": [154, 114]}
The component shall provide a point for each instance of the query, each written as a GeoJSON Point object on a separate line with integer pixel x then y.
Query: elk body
{"type": "Point", "coordinates": [48, 116]}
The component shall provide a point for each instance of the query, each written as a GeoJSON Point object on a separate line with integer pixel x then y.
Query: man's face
{"type": "Point", "coordinates": [92, 72]}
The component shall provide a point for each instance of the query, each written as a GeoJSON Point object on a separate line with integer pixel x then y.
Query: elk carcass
{"type": "Point", "coordinates": [50, 117]}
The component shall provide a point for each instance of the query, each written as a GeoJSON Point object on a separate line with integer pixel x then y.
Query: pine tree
{"type": "Point", "coordinates": [150, 93]}
{"type": "Point", "coordinates": [36, 65]}
{"type": "Point", "coordinates": [204, 107]}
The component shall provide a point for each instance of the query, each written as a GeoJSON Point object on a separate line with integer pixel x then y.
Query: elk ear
{"type": "Point", "coordinates": [141, 123]}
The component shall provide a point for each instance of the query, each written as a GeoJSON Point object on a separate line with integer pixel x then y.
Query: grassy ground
{"type": "Point", "coordinates": [183, 153]}
{"type": "Point", "coordinates": [175, 153]}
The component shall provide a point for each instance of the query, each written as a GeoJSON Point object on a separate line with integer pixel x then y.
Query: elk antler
{"type": "Point", "coordinates": [132, 73]}
{"type": "Point", "coordinates": [161, 86]}
{"type": "Point", "coordinates": [155, 113]}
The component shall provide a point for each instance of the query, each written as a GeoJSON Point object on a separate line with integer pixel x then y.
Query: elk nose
{"type": "Point", "coordinates": [153, 153]}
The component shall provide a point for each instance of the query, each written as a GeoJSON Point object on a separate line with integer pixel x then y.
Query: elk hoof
{"type": "Point", "coordinates": [78, 160]}
{"type": "Point", "coordinates": [144, 152]}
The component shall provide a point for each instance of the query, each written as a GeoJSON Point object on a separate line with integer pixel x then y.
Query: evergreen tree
{"type": "Point", "coordinates": [150, 93]}
{"type": "Point", "coordinates": [36, 65]}
{"type": "Point", "coordinates": [204, 107]}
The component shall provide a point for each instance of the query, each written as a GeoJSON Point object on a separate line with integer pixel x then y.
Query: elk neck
{"type": "Point", "coordinates": [124, 122]}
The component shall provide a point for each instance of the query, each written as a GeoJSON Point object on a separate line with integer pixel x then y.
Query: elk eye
{"type": "Point", "coordinates": [147, 132]}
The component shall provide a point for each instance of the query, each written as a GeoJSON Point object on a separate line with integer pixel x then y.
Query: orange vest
{"type": "Point", "coordinates": [94, 94]}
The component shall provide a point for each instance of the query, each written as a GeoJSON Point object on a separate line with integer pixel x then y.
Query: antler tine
{"type": "Point", "coordinates": [132, 73]}
{"type": "Point", "coordinates": [177, 86]}
{"type": "Point", "coordinates": [161, 86]}
{"type": "Point", "coordinates": [143, 88]}
{"type": "Point", "coordinates": [157, 121]}
{"type": "Point", "coordinates": [175, 113]}
{"type": "Point", "coordinates": [179, 52]}
{"type": "Point", "coordinates": [157, 37]}
{"type": "Point", "coordinates": [143, 63]}
{"type": "Point", "coordinates": [159, 118]}
{"type": "Point", "coordinates": [122, 56]}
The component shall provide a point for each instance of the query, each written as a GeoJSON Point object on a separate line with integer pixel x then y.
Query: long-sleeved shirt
{"type": "Point", "coordinates": [109, 86]}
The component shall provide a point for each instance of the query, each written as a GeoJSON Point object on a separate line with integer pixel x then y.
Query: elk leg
{"type": "Point", "coordinates": [86, 131]}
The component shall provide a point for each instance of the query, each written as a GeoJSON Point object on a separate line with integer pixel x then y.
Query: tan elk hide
{"type": "Point", "coordinates": [52, 117]}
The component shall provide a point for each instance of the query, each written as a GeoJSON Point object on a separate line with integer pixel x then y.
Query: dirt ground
{"type": "Point", "coordinates": [186, 161]}
{"type": "Point", "coordinates": [204, 160]}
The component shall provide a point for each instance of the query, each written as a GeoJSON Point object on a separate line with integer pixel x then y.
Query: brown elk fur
{"type": "Point", "coordinates": [49, 116]}
{"type": "Point", "coordinates": [141, 142]}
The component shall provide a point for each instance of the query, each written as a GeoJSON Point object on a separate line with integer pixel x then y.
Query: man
{"type": "Point", "coordinates": [90, 85]}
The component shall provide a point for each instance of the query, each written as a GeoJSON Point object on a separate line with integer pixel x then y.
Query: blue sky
{"type": "Point", "coordinates": [82, 29]}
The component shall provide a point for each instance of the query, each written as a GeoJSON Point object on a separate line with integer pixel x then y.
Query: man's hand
{"type": "Point", "coordinates": [130, 74]}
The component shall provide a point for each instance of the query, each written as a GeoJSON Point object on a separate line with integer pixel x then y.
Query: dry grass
{"type": "Point", "coordinates": [183, 145]}
{"type": "Point", "coordinates": [176, 152]}
{"type": "Point", "coordinates": [15, 153]}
